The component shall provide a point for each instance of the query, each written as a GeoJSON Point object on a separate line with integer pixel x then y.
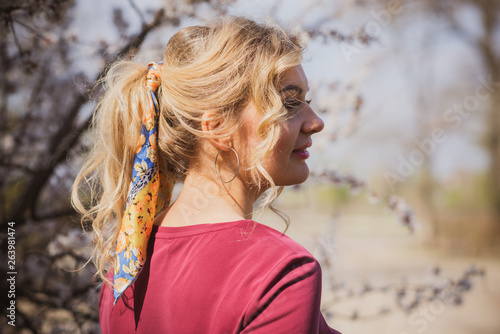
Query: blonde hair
{"type": "Point", "coordinates": [221, 67]}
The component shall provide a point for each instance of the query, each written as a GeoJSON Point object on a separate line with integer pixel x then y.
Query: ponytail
{"type": "Point", "coordinates": [106, 172]}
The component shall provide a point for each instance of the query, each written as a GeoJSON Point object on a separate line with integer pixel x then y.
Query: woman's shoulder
{"type": "Point", "coordinates": [263, 235]}
{"type": "Point", "coordinates": [266, 249]}
{"type": "Point", "coordinates": [285, 283]}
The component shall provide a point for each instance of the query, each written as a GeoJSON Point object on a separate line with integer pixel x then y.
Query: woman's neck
{"type": "Point", "coordinates": [202, 201]}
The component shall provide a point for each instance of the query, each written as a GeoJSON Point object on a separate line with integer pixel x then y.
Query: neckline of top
{"type": "Point", "coordinates": [188, 230]}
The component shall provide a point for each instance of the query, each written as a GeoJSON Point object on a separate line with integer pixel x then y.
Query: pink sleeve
{"type": "Point", "coordinates": [288, 300]}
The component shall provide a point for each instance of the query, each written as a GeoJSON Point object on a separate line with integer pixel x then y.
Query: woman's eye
{"type": "Point", "coordinates": [292, 104]}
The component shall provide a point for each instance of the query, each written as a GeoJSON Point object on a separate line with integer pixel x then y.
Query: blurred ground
{"type": "Point", "coordinates": [376, 249]}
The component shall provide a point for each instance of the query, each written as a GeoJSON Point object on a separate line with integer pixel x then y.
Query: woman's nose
{"type": "Point", "coordinates": [313, 123]}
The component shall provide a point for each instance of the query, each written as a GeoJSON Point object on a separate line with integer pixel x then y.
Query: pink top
{"type": "Point", "coordinates": [220, 278]}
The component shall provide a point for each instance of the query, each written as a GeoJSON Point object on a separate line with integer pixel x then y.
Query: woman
{"type": "Point", "coordinates": [225, 114]}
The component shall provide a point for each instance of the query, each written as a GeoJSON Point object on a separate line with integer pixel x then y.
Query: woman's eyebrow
{"type": "Point", "coordinates": [292, 87]}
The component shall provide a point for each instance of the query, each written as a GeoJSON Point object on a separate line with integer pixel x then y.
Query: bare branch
{"type": "Point", "coordinates": [14, 35]}
{"type": "Point", "coordinates": [32, 30]}
{"type": "Point", "coordinates": [138, 11]}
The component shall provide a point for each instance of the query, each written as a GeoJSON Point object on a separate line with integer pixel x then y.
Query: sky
{"type": "Point", "coordinates": [415, 70]}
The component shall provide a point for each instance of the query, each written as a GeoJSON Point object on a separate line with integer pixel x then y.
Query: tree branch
{"type": "Point", "coordinates": [65, 138]}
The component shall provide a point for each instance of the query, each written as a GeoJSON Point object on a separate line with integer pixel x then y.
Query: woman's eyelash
{"type": "Point", "coordinates": [290, 104]}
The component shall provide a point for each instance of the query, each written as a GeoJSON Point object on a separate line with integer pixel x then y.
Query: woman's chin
{"type": "Point", "coordinates": [300, 175]}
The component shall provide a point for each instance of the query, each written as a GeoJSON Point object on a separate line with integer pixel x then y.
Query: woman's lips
{"type": "Point", "coordinates": [305, 146]}
{"type": "Point", "coordinates": [303, 154]}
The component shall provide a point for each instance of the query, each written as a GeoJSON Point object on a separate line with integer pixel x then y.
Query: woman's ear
{"type": "Point", "coordinates": [209, 123]}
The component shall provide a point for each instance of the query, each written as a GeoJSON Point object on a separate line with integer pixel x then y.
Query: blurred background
{"type": "Point", "coordinates": [402, 207]}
